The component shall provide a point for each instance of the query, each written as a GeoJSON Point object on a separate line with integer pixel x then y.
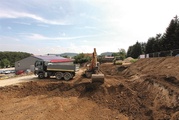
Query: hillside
{"type": "Point", "coordinates": [107, 53]}
{"type": "Point", "coordinates": [69, 54]}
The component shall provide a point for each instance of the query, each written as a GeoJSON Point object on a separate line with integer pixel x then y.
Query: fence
{"type": "Point", "coordinates": [161, 54]}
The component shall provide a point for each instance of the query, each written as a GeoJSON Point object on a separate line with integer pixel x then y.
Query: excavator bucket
{"type": "Point", "coordinates": [97, 78]}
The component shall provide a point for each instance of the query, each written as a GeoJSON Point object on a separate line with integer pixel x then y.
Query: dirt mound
{"type": "Point", "coordinates": [41, 88]}
{"type": "Point", "coordinates": [164, 70]}
{"type": "Point", "coordinates": [167, 66]}
{"type": "Point", "coordinates": [114, 98]}
{"type": "Point", "coordinates": [52, 100]}
{"type": "Point", "coordinates": [111, 69]}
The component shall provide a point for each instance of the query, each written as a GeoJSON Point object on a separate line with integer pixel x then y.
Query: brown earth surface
{"type": "Point", "coordinates": [145, 90]}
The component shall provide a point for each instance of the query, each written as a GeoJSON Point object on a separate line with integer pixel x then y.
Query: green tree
{"type": "Point", "coordinates": [122, 54]}
{"type": "Point", "coordinates": [12, 57]}
{"type": "Point", "coordinates": [129, 51]}
{"type": "Point", "coordinates": [154, 44]}
{"type": "Point", "coordinates": [5, 63]}
{"type": "Point", "coordinates": [135, 51]}
{"type": "Point", "coordinates": [150, 45]}
{"type": "Point", "coordinates": [81, 58]}
{"type": "Point", "coordinates": [115, 54]}
{"type": "Point", "coordinates": [143, 46]}
{"type": "Point", "coordinates": [170, 37]}
{"type": "Point", "coordinates": [158, 43]}
{"type": "Point", "coordinates": [177, 35]}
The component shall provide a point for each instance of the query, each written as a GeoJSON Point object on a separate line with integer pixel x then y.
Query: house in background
{"type": "Point", "coordinates": [28, 63]}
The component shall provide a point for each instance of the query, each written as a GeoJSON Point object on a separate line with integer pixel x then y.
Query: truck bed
{"type": "Point", "coordinates": [63, 68]}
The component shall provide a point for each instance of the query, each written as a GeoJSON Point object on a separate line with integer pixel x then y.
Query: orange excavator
{"type": "Point", "coordinates": [93, 70]}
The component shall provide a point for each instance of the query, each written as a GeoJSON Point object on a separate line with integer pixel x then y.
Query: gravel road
{"type": "Point", "coordinates": [16, 80]}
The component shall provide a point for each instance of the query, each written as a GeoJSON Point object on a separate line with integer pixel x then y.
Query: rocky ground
{"type": "Point", "coordinates": [145, 90]}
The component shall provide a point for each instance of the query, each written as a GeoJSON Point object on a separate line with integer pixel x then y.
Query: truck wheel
{"type": "Point", "coordinates": [41, 75]}
{"type": "Point", "coordinates": [59, 75]}
{"type": "Point", "coordinates": [67, 76]}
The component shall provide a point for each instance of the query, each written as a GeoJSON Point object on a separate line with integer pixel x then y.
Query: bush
{"type": "Point", "coordinates": [133, 60]}
{"type": "Point", "coordinates": [81, 58]}
{"type": "Point", "coordinates": [118, 63]}
{"type": "Point", "coordinates": [5, 63]}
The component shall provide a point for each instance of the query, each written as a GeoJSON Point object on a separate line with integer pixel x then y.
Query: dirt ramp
{"type": "Point", "coordinates": [154, 66]}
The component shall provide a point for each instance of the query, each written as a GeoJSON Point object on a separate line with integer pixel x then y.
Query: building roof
{"type": "Point", "coordinates": [53, 58]}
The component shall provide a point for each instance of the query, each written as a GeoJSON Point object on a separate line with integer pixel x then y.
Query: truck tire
{"type": "Point", "coordinates": [67, 76]}
{"type": "Point", "coordinates": [59, 75]}
{"type": "Point", "coordinates": [41, 75]}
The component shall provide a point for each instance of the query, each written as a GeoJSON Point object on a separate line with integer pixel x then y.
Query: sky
{"type": "Point", "coordinates": [77, 26]}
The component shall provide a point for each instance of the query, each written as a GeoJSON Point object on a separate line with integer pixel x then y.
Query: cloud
{"type": "Point", "coordinates": [34, 36]}
{"type": "Point", "coordinates": [16, 14]}
{"type": "Point", "coordinates": [72, 48]}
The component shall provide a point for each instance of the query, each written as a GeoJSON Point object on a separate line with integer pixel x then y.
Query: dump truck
{"type": "Point", "coordinates": [93, 70]}
{"type": "Point", "coordinates": [61, 70]}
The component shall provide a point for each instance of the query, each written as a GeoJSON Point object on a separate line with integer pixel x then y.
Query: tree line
{"type": "Point", "coordinates": [168, 41]}
{"type": "Point", "coordinates": [8, 59]}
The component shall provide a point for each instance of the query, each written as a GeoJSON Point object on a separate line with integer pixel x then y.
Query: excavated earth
{"type": "Point", "coordinates": [145, 90]}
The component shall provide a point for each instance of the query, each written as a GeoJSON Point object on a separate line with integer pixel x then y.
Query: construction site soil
{"type": "Point", "coordinates": [145, 90]}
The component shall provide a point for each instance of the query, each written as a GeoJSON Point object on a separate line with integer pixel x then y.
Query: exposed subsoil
{"type": "Point", "coordinates": [145, 90]}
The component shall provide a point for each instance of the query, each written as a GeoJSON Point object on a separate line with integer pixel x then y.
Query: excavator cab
{"type": "Point", "coordinates": [93, 70]}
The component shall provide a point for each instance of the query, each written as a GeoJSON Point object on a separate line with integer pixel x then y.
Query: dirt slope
{"type": "Point", "coordinates": [155, 66]}
{"type": "Point", "coordinates": [152, 87]}
{"type": "Point", "coordinates": [145, 90]}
